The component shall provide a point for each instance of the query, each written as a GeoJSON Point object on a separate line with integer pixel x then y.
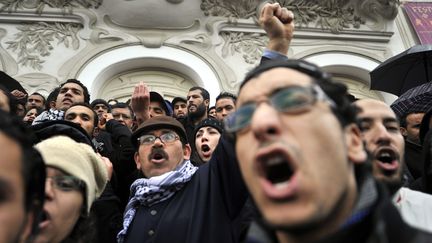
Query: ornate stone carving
{"type": "Point", "coordinates": [334, 15]}
{"type": "Point", "coordinates": [39, 5]}
{"type": "Point", "coordinates": [7, 62]}
{"type": "Point", "coordinates": [249, 45]}
{"type": "Point", "coordinates": [228, 8]}
{"type": "Point", "coordinates": [36, 40]}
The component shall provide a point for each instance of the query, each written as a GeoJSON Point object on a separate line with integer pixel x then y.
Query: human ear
{"type": "Point", "coordinates": [354, 142]}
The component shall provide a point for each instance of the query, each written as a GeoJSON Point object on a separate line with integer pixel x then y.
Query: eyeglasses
{"type": "Point", "coordinates": [166, 138]}
{"type": "Point", "coordinates": [66, 183]}
{"type": "Point", "coordinates": [288, 100]}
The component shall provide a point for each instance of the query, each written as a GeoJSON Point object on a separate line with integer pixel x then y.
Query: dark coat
{"type": "Point", "coordinates": [204, 210]}
{"type": "Point", "coordinates": [424, 183]}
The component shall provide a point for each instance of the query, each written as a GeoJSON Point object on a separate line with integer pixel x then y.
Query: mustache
{"type": "Point", "coordinates": [159, 151]}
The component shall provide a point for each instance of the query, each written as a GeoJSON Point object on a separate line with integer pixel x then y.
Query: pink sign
{"type": "Point", "coordinates": [420, 15]}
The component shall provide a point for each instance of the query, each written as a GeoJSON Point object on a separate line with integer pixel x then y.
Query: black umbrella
{"type": "Point", "coordinates": [10, 83]}
{"type": "Point", "coordinates": [417, 99]}
{"type": "Point", "coordinates": [404, 71]}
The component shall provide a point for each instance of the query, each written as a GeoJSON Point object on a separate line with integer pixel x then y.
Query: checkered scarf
{"type": "Point", "coordinates": [149, 191]}
{"type": "Point", "coordinates": [50, 115]}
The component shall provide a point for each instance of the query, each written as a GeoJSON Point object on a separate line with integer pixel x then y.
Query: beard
{"type": "Point", "coordinates": [201, 110]}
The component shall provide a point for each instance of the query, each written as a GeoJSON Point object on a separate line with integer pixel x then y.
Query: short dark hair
{"type": "Point", "coordinates": [224, 95]}
{"type": "Point", "coordinates": [100, 101]}
{"type": "Point", "coordinates": [95, 120]}
{"type": "Point", "coordinates": [51, 97]}
{"type": "Point", "coordinates": [403, 118]}
{"type": "Point", "coordinates": [86, 92]}
{"type": "Point", "coordinates": [36, 93]}
{"type": "Point", "coordinates": [33, 167]}
{"type": "Point", "coordinates": [344, 110]}
{"type": "Point", "coordinates": [205, 94]}
{"type": "Point", "coordinates": [123, 105]}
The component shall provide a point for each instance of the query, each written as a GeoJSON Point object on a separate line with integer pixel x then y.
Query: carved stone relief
{"type": "Point", "coordinates": [249, 45]}
{"type": "Point", "coordinates": [40, 5]}
{"type": "Point", "coordinates": [334, 15]}
{"type": "Point", "coordinates": [35, 41]}
{"type": "Point", "coordinates": [38, 82]}
{"type": "Point", "coordinates": [7, 63]}
{"type": "Point", "coordinates": [358, 89]}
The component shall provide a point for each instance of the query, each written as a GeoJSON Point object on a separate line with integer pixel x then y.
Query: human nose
{"type": "Point", "coordinates": [76, 121]}
{"type": "Point", "coordinates": [204, 137]}
{"type": "Point", "coordinates": [265, 122]}
{"type": "Point", "coordinates": [49, 189]}
{"type": "Point", "coordinates": [158, 142]}
{"type": "Point", "coordinates": [382, 136]}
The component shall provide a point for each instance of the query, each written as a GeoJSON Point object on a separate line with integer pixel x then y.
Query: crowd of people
{"type": "Point", "coordinates": [290, 158]}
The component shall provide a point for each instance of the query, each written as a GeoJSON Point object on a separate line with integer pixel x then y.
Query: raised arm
{"type": "Point", "coordinates": [278, 23]}
{"type": "Point", "coordinates": [140, 102]}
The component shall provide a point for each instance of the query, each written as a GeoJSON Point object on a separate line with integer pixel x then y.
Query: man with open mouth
{"type": "Point", "coordinates": [175, 201]}
{"type": "Point", "coordinates": [385, 143]}
{"type": "Point", "coordinates": [302, 158]}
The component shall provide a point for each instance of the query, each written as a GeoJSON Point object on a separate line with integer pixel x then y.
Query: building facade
{"type": "Point", "coordinates": [172, 45]}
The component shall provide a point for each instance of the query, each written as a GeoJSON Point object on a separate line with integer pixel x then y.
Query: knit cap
{"type": "Point", "coordinates": [78, 160]}
{"type": "Point", "coordinates": [210, 122]}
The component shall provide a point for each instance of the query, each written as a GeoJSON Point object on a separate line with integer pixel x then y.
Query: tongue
{"type": "Point", "coordinates": [393, 165]}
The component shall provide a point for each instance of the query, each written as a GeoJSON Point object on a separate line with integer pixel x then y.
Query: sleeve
{"type": "Point", "coordinates": [274, 55]}
{"type": "Point", "coordinates": [225, 169]}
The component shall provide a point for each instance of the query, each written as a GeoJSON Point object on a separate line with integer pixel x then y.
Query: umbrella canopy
{"type": "Point", "coordinates": [404, 71]}
{"type": "Point", "coordinates": [10, 83]}
{"type": "Point", "coordinates": [417, 99]}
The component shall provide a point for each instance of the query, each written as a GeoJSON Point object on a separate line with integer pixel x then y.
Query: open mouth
{"type": "Point", "coordinates": [205, 148]}
{"type": "Point", "coordinates": [278, 176]}
{"type": "Point", "coordinates": [387, 159]}
{"type": "Point", "coordinates": [276, 169]}
{"type": "Point", "coordinates": [45, 218]}
{"type": "Point", "coordinates": [158, 156]}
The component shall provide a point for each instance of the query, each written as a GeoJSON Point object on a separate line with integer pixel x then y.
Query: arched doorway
{"type": "Point", "coordinates": [167, 70]}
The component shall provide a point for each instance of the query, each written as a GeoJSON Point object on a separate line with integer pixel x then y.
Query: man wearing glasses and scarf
{"type": "Point", "coordinates": [175, 201]}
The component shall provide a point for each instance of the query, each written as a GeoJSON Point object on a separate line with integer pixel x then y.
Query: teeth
{"type": "Point", "coordinates": [385, 154]}
{"type": "Point", "coordinates": [274, 161]}
{"type": "Point", "coordinates": [281, 185]}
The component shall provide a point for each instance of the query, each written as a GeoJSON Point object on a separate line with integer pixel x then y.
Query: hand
{"type": "Point", "coordinates": [140, 102]}
{"type": "Point", "coordinates": [18, 94]}
{"type": "Point", "coordinates": [140, 98]}
{"type": "Point", "coordinates": [108, 165]}
{"type": "Point", "coordinates": [278, 23]}
{"type": "Point", "coordinates": [103, 120]}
